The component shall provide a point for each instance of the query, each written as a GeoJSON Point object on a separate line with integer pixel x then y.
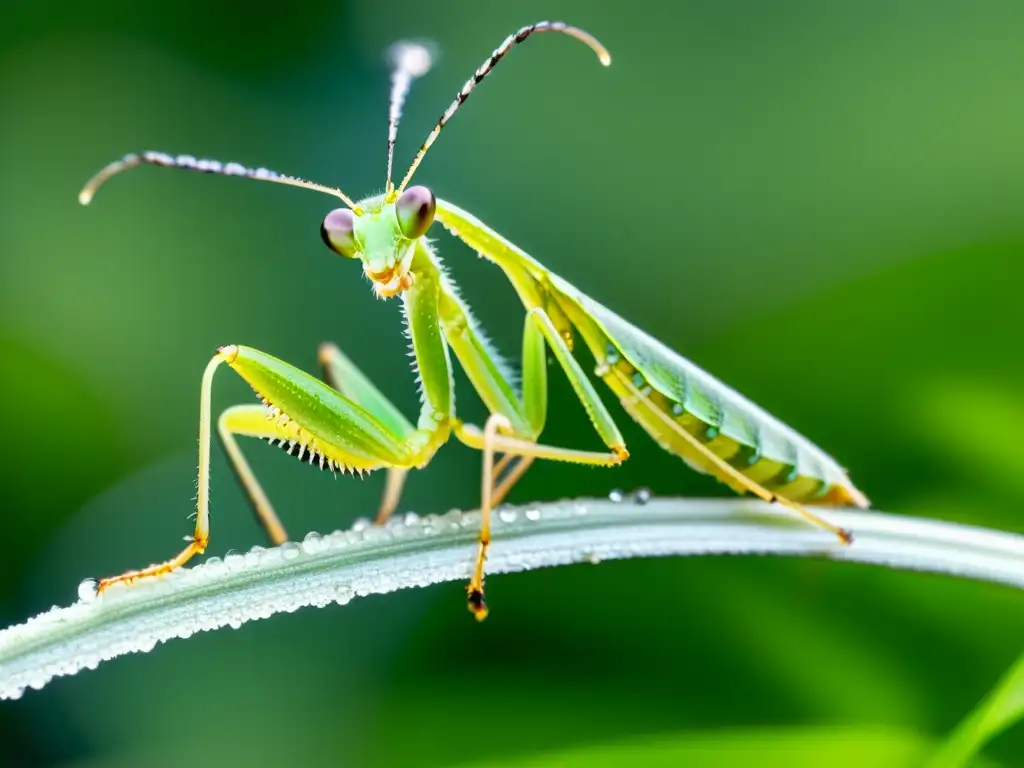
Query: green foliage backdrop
{"type": "Point", "coordinates": [823, 203]}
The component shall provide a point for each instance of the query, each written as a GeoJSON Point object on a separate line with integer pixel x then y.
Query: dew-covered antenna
{"type": "Point", "coordinates": [485, 69]}
{"type": "Point", "coordinates": [189, 163]}
{"type": "Point", "coordinates": [409, 60]}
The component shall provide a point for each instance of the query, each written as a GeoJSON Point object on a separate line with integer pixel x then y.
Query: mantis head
{"type": "Point", "coordinates": [383, 237]}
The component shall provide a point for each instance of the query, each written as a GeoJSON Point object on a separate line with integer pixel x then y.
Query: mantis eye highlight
{"type": "Point", "coordinates": [415, 211]}
{"type": "Point", "coordinates": [338, 232]}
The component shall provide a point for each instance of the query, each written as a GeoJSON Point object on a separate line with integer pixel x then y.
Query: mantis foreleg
{"type": "Point", "coordinates": [303, 413]}
{"type": "Point", "coordinates": [250, 420]}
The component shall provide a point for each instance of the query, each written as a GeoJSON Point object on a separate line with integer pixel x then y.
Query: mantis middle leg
{"type": "Point", "coordinates": [516, 423]}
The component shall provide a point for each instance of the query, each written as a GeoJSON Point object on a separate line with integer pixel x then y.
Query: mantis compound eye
{"type": "Point", "coordinates": [338, 232]}
{"type": "Point", "coordinates": [415, 211]}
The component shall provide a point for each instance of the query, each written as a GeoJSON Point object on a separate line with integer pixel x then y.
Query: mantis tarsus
{"type": "Point", "coordinates": [344, 423]}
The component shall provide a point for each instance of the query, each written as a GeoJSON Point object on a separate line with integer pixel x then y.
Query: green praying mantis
{"type": "Point", "coordinates": [344, 423]}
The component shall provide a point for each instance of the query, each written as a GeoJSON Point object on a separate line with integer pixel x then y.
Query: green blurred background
{"type": "Point", "coordinates": [821, 202]}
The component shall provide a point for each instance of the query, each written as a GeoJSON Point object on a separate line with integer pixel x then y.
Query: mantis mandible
{"type": "Point", "coordinates": [344, 423]}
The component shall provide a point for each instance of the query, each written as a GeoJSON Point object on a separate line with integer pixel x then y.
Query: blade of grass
{"type": "Point", "coordinates": [1003, 707]}
{"type": "Point", "coordinates": [413, 551]}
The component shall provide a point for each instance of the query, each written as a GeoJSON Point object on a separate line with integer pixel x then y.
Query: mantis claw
{"type": "Point", "coordinates": [476, 603]}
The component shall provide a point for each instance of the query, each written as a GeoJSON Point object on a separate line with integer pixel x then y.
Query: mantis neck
{"type": "Point", "coordinates": [431, 362]}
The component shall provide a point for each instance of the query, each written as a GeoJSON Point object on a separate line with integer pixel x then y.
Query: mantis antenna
{"type": "Point", "coordinates": [190, 163]}
{"type": "Point", "coordinates": [510, 42]}
{"type": "Point", "coordinates": [408, 61]}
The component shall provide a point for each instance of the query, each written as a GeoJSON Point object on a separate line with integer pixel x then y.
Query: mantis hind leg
{"type": "Point", "coordinates": [364, 445]}
{"type": "Point", "coordinates": [721, 468]}
{"type": "Point", "coordinates": [510, 477]}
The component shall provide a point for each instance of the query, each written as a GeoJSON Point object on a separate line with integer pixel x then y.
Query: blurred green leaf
{"type": "Point", "coordinates": [55, 425]}
{"type": "Point", "coordinates": [1003, 707]}
{"type": "Point", "coordinates": [984, 435]}
{"type": "Point", "coordinates": [782, 747]}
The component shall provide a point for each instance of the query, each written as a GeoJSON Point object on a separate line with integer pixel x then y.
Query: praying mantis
{"type": "Point", "coordinates": [343, 422]}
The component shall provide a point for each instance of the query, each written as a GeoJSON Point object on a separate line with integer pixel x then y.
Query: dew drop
{"type": "Point", "coordinates": [337, 539]}
{"type": "Point", "coordinates": [411, 519]}
{"type": "Point", "coordinates": [450, 520]}
{"type": "Point", "coordinates": [87, 590]}
{"type": "Point", "coordinates": [313, 543]}
{"type": "Point", "coordinates": [642, 495]}
{"type": "Point", "coordinates": [376, 533]}
{"type": "Point", "coordinates": [455, 517]}
{"type": "Point", "coordinates": [342, 594]}
{"type": "Point", "coordinates": [234, 561]}
{"type": "Point", "coordinates": [533, 514]}
{"type": "Point", "coordinates": [271, 557]}
{"type": "Point", "coordinates": [507, 515]}
{"type": "Point", "coordinates": [361, 524]}
{"type": "Point", "coordinates": [290, 550]}
{"type": "Point", "coordinates": [592, 557]}
{"type": "Point", "coordinates": [611, 355]}
{"type": "Point", "coordinates": [615, 496]}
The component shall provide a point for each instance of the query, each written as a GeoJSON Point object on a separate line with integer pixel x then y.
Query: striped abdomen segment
{"type": "Point", "coordinates": [670, 396]}
{"type": "Point", "coordinates": [663, 418]}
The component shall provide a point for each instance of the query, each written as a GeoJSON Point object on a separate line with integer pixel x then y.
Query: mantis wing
{"type": "Point", "coordinates": [679, 395]}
